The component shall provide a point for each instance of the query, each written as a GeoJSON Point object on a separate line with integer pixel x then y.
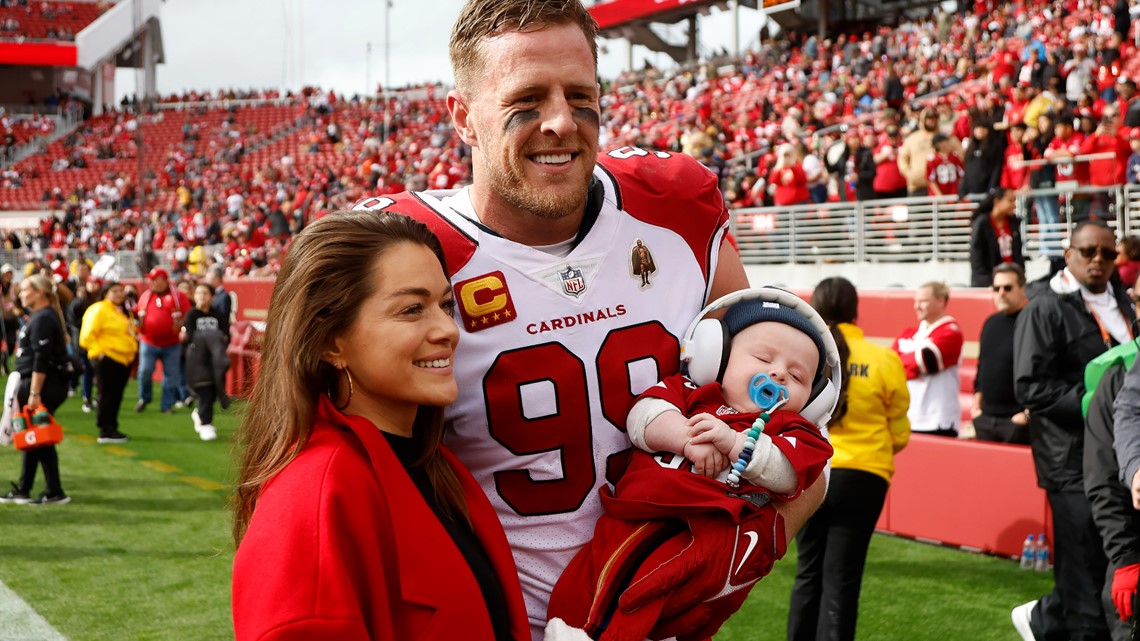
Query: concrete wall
{"type": "Point", "coordinates": [874, 275]}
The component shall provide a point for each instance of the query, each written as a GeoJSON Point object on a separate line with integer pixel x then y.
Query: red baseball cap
{"type": "Point", "coordinates": [157, 272]}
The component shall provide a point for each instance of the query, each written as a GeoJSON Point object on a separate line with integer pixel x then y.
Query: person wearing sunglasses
{"type": "Point", "coordinates": [996, 413]}
{"type": "Point", "coordinates": [1072, 317]}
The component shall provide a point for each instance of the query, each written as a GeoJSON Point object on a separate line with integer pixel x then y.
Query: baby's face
{"type": "Point", "coordinates": [786, 354]}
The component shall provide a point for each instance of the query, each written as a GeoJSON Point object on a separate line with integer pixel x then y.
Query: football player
{"type": "Point", "coordinates": [559, 333]}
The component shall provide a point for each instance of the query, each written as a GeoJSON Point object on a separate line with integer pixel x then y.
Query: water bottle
{"type": "Point", "coordinates": [1028, 553]}
{"type": "Point", "coordinates": [41, 417]}
{"type": "Point", "coordinates": [19, 423]}
{"type": "Point", "coordinates": [1041, 558]}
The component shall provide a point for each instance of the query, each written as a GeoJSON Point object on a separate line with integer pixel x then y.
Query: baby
{"type": "Point", "coordinates": [735, 419]}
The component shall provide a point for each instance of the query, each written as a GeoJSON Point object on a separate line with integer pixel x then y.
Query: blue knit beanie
{"type": "Point", "coordinates": [749, 312]}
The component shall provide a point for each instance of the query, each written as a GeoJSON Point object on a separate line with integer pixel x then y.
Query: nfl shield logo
{"type": "Point", "coordinates": [572, 281]}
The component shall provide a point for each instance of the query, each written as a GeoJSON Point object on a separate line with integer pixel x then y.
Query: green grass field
{"type": "Point", "coordinates": [143, 550]}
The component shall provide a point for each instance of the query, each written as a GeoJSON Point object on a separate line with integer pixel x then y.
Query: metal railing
{"type": "Point", "coordinates": [885, 231]}
{"type": "Point", "coordinates": [914, 229]}
{"type": "Point", "coordinates": [127, 265]}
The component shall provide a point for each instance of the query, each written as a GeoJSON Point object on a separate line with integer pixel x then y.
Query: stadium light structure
{"type": "Point", "coordinates": [385, 90]}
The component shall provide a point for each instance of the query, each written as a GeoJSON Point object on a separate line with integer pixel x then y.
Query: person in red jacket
{"type": "Point", "coordinates": [1066, 145]}
{"type": "Point", "coordinates": [944, 168]}
{"type": "Point", "coordinates": [889, 181]}
{"type": "Point", "coordinates": [160, 311]}
{"type": "Point", "coordinates": [1014, 173]}
{"type": "Point", "coordinates": [788, 180]}
{"type": "Point", "coordinates": [1110, 170]}
{"type": "Point", "coordinates": [352, 520]}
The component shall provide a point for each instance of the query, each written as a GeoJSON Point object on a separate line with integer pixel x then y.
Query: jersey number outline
{"type": "Point", "coordinates": [624, 153]}
{"type": "Point", "coordinates": [570, 429]}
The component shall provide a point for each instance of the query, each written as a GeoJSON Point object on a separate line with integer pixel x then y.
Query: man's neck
{"type": "Point", "coordinates": [1097, 292]}
{"type": "Point", "coordinates": [521, 226]}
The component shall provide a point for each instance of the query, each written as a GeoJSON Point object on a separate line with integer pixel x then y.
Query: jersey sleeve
{"type": "Point", "coordinates": [458, 247]}
{"type": "Point", "coordinates": [802, 443]}
{"type": "Point", "coordinates": [672, 191]}
{"type": "Point", "coordinates": [675, 389]}
{"type": "Point", "coordinates": [945, 342]}
{"type": "Point", "coordinates": [904, 346]}
{"type": "Point", "coordinates": [931, 354]}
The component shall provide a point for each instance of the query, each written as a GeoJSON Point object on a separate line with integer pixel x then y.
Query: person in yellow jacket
{"type": "Point", "coordinates": [868, 428]}
{"type": "Point", "coordinates": [108, 335]}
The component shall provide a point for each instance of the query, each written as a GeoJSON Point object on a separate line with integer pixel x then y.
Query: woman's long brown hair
{"type": "Point", "coordinates": [837, 301]}
{"type": "Point", "coordinates": [325, 278]}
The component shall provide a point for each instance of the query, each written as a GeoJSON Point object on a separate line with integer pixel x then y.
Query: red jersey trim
{"type": "Point", "coordinates": [458, 246]}
{"type": "Point", "coordinates": [651, 187]}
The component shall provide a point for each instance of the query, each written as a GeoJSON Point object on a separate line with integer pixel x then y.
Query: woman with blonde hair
{"type": "Point", "coordinates": [352, 520]}
{"type": "Point", "coordinates": [41, 362]}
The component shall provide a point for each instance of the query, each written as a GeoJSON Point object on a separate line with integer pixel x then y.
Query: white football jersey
{"type": "Point", "coordinates": [554, 350]}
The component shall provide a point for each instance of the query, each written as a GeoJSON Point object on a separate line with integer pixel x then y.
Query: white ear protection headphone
{"type": "Point", "coordinates": [707, 343]}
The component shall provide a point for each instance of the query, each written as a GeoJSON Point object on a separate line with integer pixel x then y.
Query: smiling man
{"type": "Point", "coordinates": [930, 354]}
{"type": "Point", "coordinates": [560, 331]}
{"type": "Point", "coordinates": [1071, 318]}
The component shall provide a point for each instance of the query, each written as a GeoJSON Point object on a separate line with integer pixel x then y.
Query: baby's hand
{"type": "Point", "coordinates": [706, 428]}
{"type": "Point", "coordinates": [707, 459]}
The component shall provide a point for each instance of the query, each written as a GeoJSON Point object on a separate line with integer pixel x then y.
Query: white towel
{"type": "Point", "coordinates": [10, 409]}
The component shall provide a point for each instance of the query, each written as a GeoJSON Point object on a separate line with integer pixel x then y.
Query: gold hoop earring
{"type": "Point", "coordinates": [328, 392]}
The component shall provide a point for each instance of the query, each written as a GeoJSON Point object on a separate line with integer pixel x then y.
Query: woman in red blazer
{"type": "Point", "coordinates": [352, 521]}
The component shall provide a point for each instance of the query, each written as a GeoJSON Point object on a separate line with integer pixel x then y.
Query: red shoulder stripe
{"type": "Point", "coordinates": [672, 191]}
{"type": "Point", "coordinates": [458, 247]}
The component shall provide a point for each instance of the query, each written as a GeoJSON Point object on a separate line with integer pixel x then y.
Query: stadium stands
{"type": "Point", "coordinates": [303, 153]}
{"type": "Point", "coordinates": [38, 20]}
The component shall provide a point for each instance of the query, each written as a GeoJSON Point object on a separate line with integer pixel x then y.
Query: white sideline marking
{"type": "Point", "coordinates": [19, 622]}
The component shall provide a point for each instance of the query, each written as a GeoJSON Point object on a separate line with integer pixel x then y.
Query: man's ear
{"type": "Point", "coordinates": [461, 117]}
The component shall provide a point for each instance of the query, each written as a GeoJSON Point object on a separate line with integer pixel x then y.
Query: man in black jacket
{"type": "Point", "coordinates": [1071, 318]}
{"type": "Point", "coordinates": [997, 414]}
{"type": "Point", "coordinates": [1116, 519]}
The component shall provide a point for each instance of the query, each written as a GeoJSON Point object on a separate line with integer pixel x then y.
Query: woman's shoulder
{"type": "Point", "coordinates": [45, 318]}
{"type": "Point", "coordinates": [330, 459]}
{"type": "Point", "coordinates": [865, 350]}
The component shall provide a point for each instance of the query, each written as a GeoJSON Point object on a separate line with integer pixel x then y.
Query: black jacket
{"type": "Point", "coordinates": [984, 251]}
{"type": "Point", "coordinates": [1117, 521]}
{"type": "Point", "coordinates": [206, 359]}
{"type": "Point", "coordinates": [207, 337]}
{"type": "Point", "coordinates": [1056, 336]}
{"type": "Point", "coordinates": [983, 163]}
{"type": "Point", "coordinates": [41, 346]}
{"type": "Point", "coordinates": [865, 170]}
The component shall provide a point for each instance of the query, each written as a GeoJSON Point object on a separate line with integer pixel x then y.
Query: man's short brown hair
{"type": "Point", "coordinates": [482, 19]}
{"type": "Point", "coordinates": [938, 289]}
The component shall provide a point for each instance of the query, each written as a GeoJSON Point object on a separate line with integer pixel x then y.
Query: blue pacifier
{"type": "Point", "coordinates": [765, 392]}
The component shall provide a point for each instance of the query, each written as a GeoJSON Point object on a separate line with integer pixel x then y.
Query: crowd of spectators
{"type": "Point", "coordinates": [43, 20]}
{"type": "Point", "coordinates": [1007, 66]}
{"type": "Point", "coordinates": [857, 117]}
